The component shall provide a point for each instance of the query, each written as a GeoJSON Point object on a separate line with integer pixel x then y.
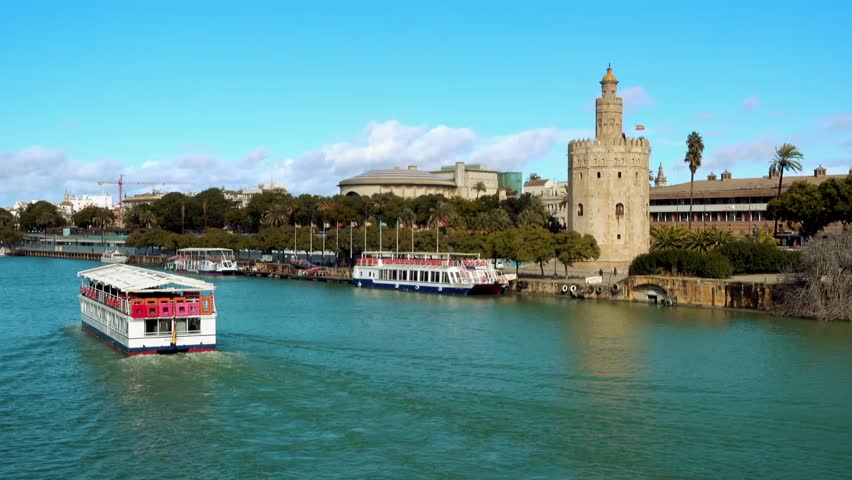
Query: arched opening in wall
{"type": "Point", "coordinates": [599, 174]}
{"type": "Point", "coordinates": [619, 174]}
{"type": "Point", "coordinates": [619, 210]}
{"type": "Point", "coordinates": [353, 194]}
{"type": "Point", "coordinates": [580, 210]}
{"type": "Point", "coordinates": [581, 176]}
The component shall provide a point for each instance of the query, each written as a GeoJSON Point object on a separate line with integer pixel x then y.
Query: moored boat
{"type": "Point", "coordinates": [141, 311]}
{"type": "Point", "coordinates": [113, 256]}
{"type": "Point", "coordinates": [207, 261]}
{"type": "Point", "coordinates": [442, 273]}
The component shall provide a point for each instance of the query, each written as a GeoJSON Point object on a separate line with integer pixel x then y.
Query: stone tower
{"type": "Point", "coordinates": [608, 183]}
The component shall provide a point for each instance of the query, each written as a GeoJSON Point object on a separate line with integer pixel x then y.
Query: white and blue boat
{"type": "Point", "coordinates": [441, 273]}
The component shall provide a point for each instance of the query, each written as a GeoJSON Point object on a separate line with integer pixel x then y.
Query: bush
{"type": "Point", "coordinates": [751, 257]}
{"type": "Point", "coordinates": [679, 261]}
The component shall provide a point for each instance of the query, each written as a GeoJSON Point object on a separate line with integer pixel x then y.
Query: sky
{"type": "Point", "coordinates": [231, 94]}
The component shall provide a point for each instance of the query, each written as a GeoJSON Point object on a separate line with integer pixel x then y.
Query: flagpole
{"type": "Point", "coordinates": [380, 235]}
{"type": "Point", "coordinates": [397, 236]}
{"type": "Point", "coordinates": [323, 243]}
{"type": "Point", "coordinates": [295, 230]}
{"type": "Point", "coordinates": [350, 244]}
{"type": "Point", "coordinates": [365, 234]}
{"type": "Point", "coordinates": [336, 242]}
{"type": "Point", "coordinates": [437, 229]}
{"type": "Point", "coordinates": [311, 237]}
{"type": "Point", "coordinates": [412, 237]}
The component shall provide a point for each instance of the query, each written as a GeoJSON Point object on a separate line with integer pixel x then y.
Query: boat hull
{"type": "Point", "coordinates": [434, 289]}
{"type": "Point", "coordinates": [121, 348]}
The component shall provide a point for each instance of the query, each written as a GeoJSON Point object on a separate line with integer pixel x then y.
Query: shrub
{"type": "Point", "coordinates": [751, 257]}
{"type": "Point", "coordinates": [680, 261]}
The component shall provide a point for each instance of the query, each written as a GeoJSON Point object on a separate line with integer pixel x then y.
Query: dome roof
{"type": "Point", "coordinates": [397, 176]}
{"type": "Point", "coordinates": [609, 77]}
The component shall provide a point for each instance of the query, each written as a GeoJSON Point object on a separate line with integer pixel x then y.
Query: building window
{"type": "Point", "coordinates": [580, 210]}
{"type": "Point", "coordinates": [619, 210]}
{"type": "Point", "coordinates": [599, 174]}
{"type": "Point", "coordinates": [619, 174]}
{"type": "Point", "coordinates": [618, 237]}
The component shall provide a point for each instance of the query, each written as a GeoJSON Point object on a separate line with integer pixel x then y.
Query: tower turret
{"type": "Point", "coordinates": [608, 109]}
{"type": "Point", "coordinates": [660, 181]}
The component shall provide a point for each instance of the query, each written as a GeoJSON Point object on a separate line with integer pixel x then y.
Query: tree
{"type": "Point", "coordinates": [277, 215]}
{"type": "Point", "coordinates": [213, 205]}
{"type": "Point", "coordinates": [534, 176]}
{"type": "Point", "coordinates": [694, 151]}
{"type": "Point", "coordinates": [408, 217]}
{"type": "Point", "coordinates": [787, 157]}
{"type": "Point", "coordinates": [534, 213]}
{"type": "Point", "coordinates": [103, 218]}
{"type": "Point", "coordinates": [6, 218]}
{"type": "Point", "coordinates": [802, 203]}
{"type": "Point", "coordinates": [837, 196]}
{"type": "Point", "coordinates": [570, 247]}
{"type": "Point", "coordinates": [534, 244]}
{"type": "Point", "coordinates": [440, 217]}
{"type": "Point", "coordinates": [668, 237]}
{"type": "Point", "coordinates": [40, 215]}
{"type": "Point", "coordinates": [479, 187]}
{"type": "Point", "coordinates": [91, 216]}
{"type": "Point", "coordinates": [502, 245]}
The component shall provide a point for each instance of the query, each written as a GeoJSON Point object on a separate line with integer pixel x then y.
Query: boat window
{"type": "Point", "coordinates": [165, 326]}
{"type": "Point", "coordinates": [194, 324]}
{"type": "Point", "coordinates": [180, 326]}
{"type": "Point", "coordinates": [150, 327]}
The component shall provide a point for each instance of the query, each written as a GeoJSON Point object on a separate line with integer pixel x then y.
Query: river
{"type": "Point", "coordinates": [322, 381]}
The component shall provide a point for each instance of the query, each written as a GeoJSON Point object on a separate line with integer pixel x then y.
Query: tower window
{"type": "Point", "coordinates": [619, 210]}
{"type": "Point", "coordinates": [619, 174]}
{"type": "Point", "coordinates": [580, 210]}
{"type": "Point", "coordinates": [599, 174]}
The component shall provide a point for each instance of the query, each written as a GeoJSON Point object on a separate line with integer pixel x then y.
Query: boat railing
{"type": "Point", "coordinates": [111, 300]}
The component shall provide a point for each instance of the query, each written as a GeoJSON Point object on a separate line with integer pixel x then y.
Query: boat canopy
{"type": "Point", "coordinates": [134, 279]}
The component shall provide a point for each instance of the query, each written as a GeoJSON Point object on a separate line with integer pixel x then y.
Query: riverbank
{"type": "Point", "coordinates": [738, 293]}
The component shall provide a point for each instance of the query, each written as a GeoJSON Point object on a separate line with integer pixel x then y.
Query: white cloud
{"type": "Point", "coordinates": [751, 103]}
{"type": "Point", "coordinates": [741, 153]}
{"type": "Point", "coordinates": [636, 98]}
{"type": "Point", "coordinates": [38, 172]}
{"type": "Point", "coordinates": [705, 116]}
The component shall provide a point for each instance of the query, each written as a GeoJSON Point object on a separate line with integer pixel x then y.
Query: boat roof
{"type": "Point", "coordinates": [134, 279]}
{"type": "Point", "coordinates": [433, 255]}
{"type": "Point", "coordinates": [196, 249]}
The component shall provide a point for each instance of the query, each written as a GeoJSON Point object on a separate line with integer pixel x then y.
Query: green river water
{"type": "Point", "coordinates": [320, 381]}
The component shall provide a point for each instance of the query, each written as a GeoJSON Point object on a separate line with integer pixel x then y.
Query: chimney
{"type": "Point", "coordinates": [726, 175]}
{"type": "Point", "coordinates": [712, 176]}
{"type": "Point", "coordinates": [412, 167]}
{"type": "Point", "coordinates": [773, 173]}
{"type": "Point", "coordinates": [819, 171]}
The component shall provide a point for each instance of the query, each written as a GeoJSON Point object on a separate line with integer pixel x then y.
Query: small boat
{"type": "Point", "coordinates": [442, 273]}
{"type": "Point", "coordinates": [207, 261]}
{"type": "Point", "coordinates": [139, 311]}
{"type": "Point", "coordinates": [114, 256]}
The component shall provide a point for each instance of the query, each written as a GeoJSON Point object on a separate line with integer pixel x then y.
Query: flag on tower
{"type": "Point", "coordinates": [640, 127]}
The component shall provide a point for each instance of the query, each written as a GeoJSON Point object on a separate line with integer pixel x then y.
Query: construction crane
{"type": "Point", "coordinates": [121, 183]}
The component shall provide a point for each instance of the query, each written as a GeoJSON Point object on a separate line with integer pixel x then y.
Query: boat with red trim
{"type": "Point", "coordinates": [140, 311]}
{"type": "Point", "coordinates": [442, 273]}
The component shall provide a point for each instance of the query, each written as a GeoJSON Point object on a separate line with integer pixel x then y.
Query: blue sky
{"type": "Point", "coordinates": [232, 94]}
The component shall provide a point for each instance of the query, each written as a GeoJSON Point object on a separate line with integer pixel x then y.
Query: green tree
{"type": "Point", "coordinates": [694, 151]}
{"type": "Point", "coordinates": [479, 188]}
{"type": "Point", "coordinates": [6, 218]}
{"type": "Point", "coordinates": [9, 236]}
{"type": "Point", "coordinates": [502, 245]}
{"type": "Point", "coordinates": [213, 205]}
{"type": "Point", "coordinates": [408, 217]}
{"type": "Point", "coordinates": [91, 216]}
{"type": "Point", "coordinates": [802, 203]}
{"type": "Point", "coordinates": [668, 237]}
{"type": "Point", "coordinates": [277, 215]}
{"type": "Point", "coordinates": [534, 176]}
{"type": "Point", "coordinates": [570, 247]}
{"type": "Point", "coordinates": [534, 244]}
{"type": "Point", "coordinates": [786, 158]}
{"type": "Point", "coordinates": [40, 215]}
{"type": "Point", "coordinates": [440, 217]}
{"type": "Point", "coordinates": [837, 197]}
{"type": "Point", "coordinates": [260, 204]}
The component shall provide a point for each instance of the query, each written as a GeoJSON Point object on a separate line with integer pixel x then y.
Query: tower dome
{"type": "Point", "coordinates": [609, 77]}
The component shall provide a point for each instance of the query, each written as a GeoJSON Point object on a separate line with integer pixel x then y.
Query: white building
{"type": "Point", "coordinates": [244, 196]}
{"type": "Point", "coordinates": [553, 195]}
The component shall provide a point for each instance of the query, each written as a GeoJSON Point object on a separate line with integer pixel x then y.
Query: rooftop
{"type": "Point", "coordinates": [397, 176]}
{"type": "Point", "coordinates": [736, 186]}
{"type": "Point", "coordinates": [134, 279]}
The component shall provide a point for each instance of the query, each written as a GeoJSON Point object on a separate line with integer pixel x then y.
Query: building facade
{"type": "Point", "coordinates": [244, 196]}
{"type": "Point", "coordinates": [458, 180]}
{"type": "Point", "coordinates": [608, 183]}
{"type": "Point", "coordinates": [552, 194]}
{"type": "Point", "coordinates": [737, 204]}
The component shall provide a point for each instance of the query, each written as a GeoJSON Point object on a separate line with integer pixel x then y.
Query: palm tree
{"type": "Point", "coordinates": [408, 217]}
{"type": "Point", "coordinates": [103, 218]}
{"type": "Point", "coordinates": [694, 150]}
{"type": "Point", "coordinates": [276, 216]}
{"type": "Point", "coordinates": [668, 237]}
{"type": "Point", "coordinates": [534, 176]}
{"type": "Point", "coordinates": [440, 214]}
{"type": "Point", "coordinates": [146, 218]}
{"type": "Point", "coordinates": [479, 187]}
{"type": "Point", "coordinates": [787, 157]}
{"type": "Point", "coordinates": [720, 237]}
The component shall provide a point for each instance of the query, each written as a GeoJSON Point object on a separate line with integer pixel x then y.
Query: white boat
{"type": "Point", "coordinates": [114, 256]}
{"type": "Point", "coordinates": [2, 251]}
{"type": "Point", "coordinates": [208, 261]}
{"type": "Point", "coordinates": [443, 273]}
{"type": "Point", "coordinates": [140, 311]}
